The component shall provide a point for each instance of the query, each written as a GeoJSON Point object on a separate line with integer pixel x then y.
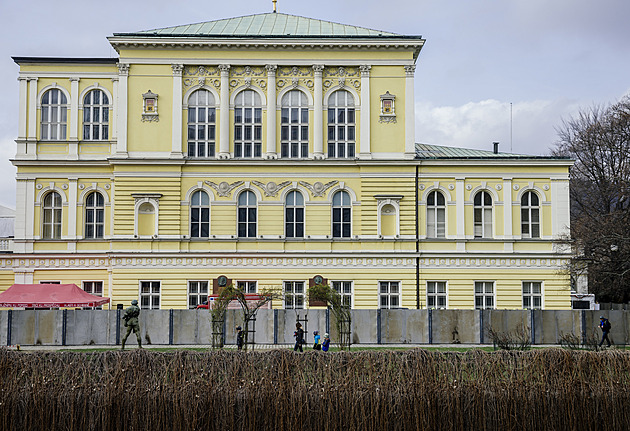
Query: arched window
{"type": "Point", "coordinates": [341, 215]}
{"type": "Point", "coordinates": [54, 115]}
{"type": "Point", "coordinates": [483, 215]}
{"type": "Point", "coordinates": [294, 132]}
{"type": "Point", "coordinates": [247, 125]}
{"type": "Point", "coordinates": [95, 116]}
{"type": "Point", "coordinates": [201, 124]}
{"type": "Point", "coordinates": [94, 215]}
{"type": "Point", "coordinates": [341, 125]}
{"type": "Point", "coordinates": [436, 215]}
{"type": "Point", "coordinates": [530, 215]}
{"type": "Point", "coordinates": [247, 215]}
{"type": "Point", "coordinates": [294, 215]}
{"type": "Point", "coordinates": [200, 215]}
{"type": "Point", "coordinates": [51, 226]}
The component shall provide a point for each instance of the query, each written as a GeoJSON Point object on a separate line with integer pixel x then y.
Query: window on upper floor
{"type": "Point", "coordinates": [95, 116]}
{"type": "Point", "coordinates": [436, 215]}
{"type": "Point", "coordinates": [294, 215]}
{"type": "Point", "coordinates": [341, 125]}
{"type": "Point", "coordinates": [51, 226]}
{"type": "Point", "coordinates": [483, 215]}
{"type": "Point", "coordinates": [199, 215]}
{"type": "Point", "coordinates": [54, 115]}
{"type": "Point", "coordinates": [294, 125]}
{"type": "Point", "coordinates": [530, 215]}
{"type": "Point", "coordinates": [247, 125]}
{"type": "Point", "coordinates": [94, 215]}
{"type": "Point", "coordinates": [201, 124]}
{"type": "Point", "coordinates": [247, 214]}
{"type": "Point", "coordinates": [341, 215]}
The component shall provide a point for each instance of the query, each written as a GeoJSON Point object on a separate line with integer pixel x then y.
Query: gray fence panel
{"type": "Point", "coordinates": [363, 327]}
{"type": "Point", "coordinates": [264, 327]}
{"type": "Point", "coordinates": [37, 327]}
{"type": "Point", "coordinates": [4, 323]}
{"type": "Point", "coordinates": [551, 325]}
{"type": "Point", "coordinates": [154, 327]}
{"type": "Point", "coordinates": [451, 325]}
{"type": "Point", "coordinates": [87, 327]}
{"type": "Point", "coordinates": [404, 326]}
{"type": "Point", "coordinates": [191, 327]}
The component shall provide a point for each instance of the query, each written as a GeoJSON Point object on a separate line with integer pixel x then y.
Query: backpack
{"type": "Point", "coordinates": [607, 325]}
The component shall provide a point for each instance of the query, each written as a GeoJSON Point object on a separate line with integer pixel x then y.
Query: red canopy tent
{"type": "Point", "coordinates": [48, 296]}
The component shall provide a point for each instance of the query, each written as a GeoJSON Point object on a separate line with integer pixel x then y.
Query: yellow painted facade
{"type": "Point", "coordinates": [140, 197]}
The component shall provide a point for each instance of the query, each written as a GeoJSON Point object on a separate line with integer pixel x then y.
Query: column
{"type": "Point", "coordinates": [32, 109]}
{"type": "Point", "coordinates": [459, 208]}
{"type": "Point", "coordinates": [365, 151]}
{"type": "Point", "coordinates": [72, 207]}
{"type": "Point", "coordinates": [272, 152]}
{"type": "Point", "coordinates": [224, 108]}
{"type": "Point", "coordinates": [410, 116]}
{"type": "Point", "coordinates": [507, 208]}
{"type": "Point", "coordinates": [23, 108]}
{"type": "Point", "coordinates": [121, 103]}
{"type": "Point", "coordinates": [176, 151]}
{"type": "Point", "coordinates": [73, 130]}
{"type": "Point", "coordinates": [114, 111]}
{"type": "Point", "coordinates": [318, 115]}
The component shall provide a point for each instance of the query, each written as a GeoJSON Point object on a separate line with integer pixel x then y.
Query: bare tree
{"type": "Point", "coordinates": [341, 310]}
{"type": "Point", "coordinates": [599, 140]}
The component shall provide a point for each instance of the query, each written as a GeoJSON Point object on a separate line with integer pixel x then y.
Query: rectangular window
{"type": "Point", "coordinates": [389, 294]}
{"type": "Point", "coordinates": [294, 294]}
{"type": "Point", "coordinates": [344, 288]}
{"type": "Point", "coordinates": [247, 286]}
{"type": "Point", "coordinates": [532, 295]}
{"type": "Point", "coordinates": [150, 295]}
{"type": "Point", "coordinates": [436, 294]}
{"type": "Point", "coordinates": [197, 293]}
{"type": "Point", "coordinates": [50, 282]}
{"type": "Point", "coordinates": [94, 288]}
{"type": "Point", "coordinates": [484, 295]}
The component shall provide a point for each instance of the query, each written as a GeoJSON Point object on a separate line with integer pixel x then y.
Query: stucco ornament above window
{"type": "Point", "coordinates": [388, 111]}
{"type": "Point", "coordinates": [150, 107]}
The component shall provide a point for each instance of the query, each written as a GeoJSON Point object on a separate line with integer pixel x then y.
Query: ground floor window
{"type": "Point", "coordinates": [436, 294]}
{"type": "Point", "coordinates": [94, 288]}
{"type": "Point", "coordinates": [389, 294]}
{"type": "Point", "coordinates": [150, 295]}
{"type": "Point", "coordinates": [247, 286]}
{"type": "Point", "coordinates": [344, 288]}
{"type": "Point", "coordinates": [484, 295]}
{"type": "Point", "coordinates": [532, 294]}
{"type": "Point", "coordinates": [293, 294]}
{"type": "Point", "coordinates": [197, 293]}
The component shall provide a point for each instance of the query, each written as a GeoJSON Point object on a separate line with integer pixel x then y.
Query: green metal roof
{"type": "Point", "coordinates": [426, 151]}
{"type": "Point", "coordinates": [264, 25]}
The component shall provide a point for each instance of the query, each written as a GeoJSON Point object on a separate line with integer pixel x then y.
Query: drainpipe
{"type": "Point", "coordinates": [417, 244]}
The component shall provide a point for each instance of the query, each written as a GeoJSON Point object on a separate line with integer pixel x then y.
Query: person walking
{"type": "Point", "coordinates": [240, 338]}
{"type": "Point", "coordinates": [299, 337]}
{"type": "Point", "coordinates": [316, 338]}
{"type": "Point", "coordinates": [131, 322]}
{"type": "Point", "coordinates": [605, 326]}
{"type": "Point", "coordinates": [326, 343]}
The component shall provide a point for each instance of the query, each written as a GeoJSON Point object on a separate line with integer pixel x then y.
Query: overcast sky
{"type": "Point", "coordinates": [491, 70]}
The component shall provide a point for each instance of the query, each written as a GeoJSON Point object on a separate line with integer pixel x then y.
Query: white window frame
{"type": "Point", "coordinates": [341, 208]}
{"type": "Point", "coordinates": [339, 286]}
{"type": "Point", "coordinates": [347, 128]}
{"type": "Point", "coordinates": [294, 209]}
{"type": "Point", "coordinates": [531, 295]}
{"type": "Point", "coordinates": [388, 294]}
{"type": "Point", "coordinates": [95, 210]}
{"type": "Point", "coordinates": [199, 207]}
{"type": "Point", "coordinates": [434, 294]}
{"type": "Point", "coordinates": [294, 116]}
{"type": "Point", "coordinates": [436, 215]}
{"type": "Point", "coordinates": [247, 222]}
{"type": "Point", "coordinates": [483, 223]}
{"type": "Point", "coordinates": [251, 286]}
{"type": "Point", "coordinates": [484, 294]}
{"type": "Point", "coordinates": [56, 216]}
{"type": "Point", "coordinates": [50, 282]}
{"type": "Point", "coordinates": [101, 123]}
{"type": "Point", "coordinates": [199, 295]}
{"type": "Point", "coordinates": [247, 147]}
{"type": "Point", "coordinates": [151, 295]}
{"type": "Point", "coordinates": [54, 116]}
{"type": "Point", "coordinates": [530, 210]}
{"type": "Point", "coordinates": [290, 296]}
{"type": "Point", "coordinates": [83, 285]}
{"type": "Point", "coordinates": [207, 128]}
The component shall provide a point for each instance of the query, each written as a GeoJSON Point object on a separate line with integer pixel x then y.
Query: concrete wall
{"type": "Point", "coordinates": [180, 327]}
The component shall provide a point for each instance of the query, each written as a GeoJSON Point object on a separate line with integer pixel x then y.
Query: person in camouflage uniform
{"type": "Point", "coordinates": [131, 322]}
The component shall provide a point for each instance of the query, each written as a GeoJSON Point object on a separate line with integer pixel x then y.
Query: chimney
{"type": "Point", "coordinates": [496, 147]}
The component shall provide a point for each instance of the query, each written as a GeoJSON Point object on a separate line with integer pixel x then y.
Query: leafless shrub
{"type": "Point", "coordinates": [520, 339]}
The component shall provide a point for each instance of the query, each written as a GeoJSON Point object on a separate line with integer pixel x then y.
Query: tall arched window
{"type": "Point", "coordinates": [247, 215]}
{"type": "Point", "coordinates": [341, 215]}
{"type": "Point", "coordinates": [200, 215]}
{"type": "Point", "coordinates": [247, 125]}
{"type": "Point", "coordinates": [483, 215]}
{"type": "Point", "coordinates": [54, 115]}
{"type": "Point", "coordinates": [294, 132]}
{"type": "Point", "coordinates": [201, 124]}
{"type": "Point", "coordinates": [530, 215]}
{"type": "Point", "coordinates": [95, 116]}
{"type": "Point", "coordinates": [94, 215]}
{"type": "Point", "coordinates": [436, 215]}
{"type": "Point", "coordinates": [341, 125]}
{"type": "Point", "coordinates": [294, 215]}
{"type": "Point", "coordinates": [51, 226]}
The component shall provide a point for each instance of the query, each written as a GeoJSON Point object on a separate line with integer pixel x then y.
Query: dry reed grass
{"type": "Point", "coordinates": [550, 389]}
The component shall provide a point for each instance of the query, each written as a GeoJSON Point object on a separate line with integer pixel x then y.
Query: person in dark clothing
{"type": "Point", "coordinates": [326, 343]}
{"type": "Point", "coordinates": [240, 338]}
{"type": "Point", "coordinates": [605, 326]}
{"type": "Point", "coordinates": [131, 322]}
{"type": "Point", "coordinates": [299, 337]}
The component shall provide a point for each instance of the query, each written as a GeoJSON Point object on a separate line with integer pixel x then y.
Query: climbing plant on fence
{"type": "Point", "coordinates": [341, 311]}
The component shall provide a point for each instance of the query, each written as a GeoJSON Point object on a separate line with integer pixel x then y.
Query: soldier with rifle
{"type": "Point", "coordinates": [131, 322]}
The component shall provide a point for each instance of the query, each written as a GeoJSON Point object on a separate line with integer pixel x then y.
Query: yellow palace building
{"type": "Point", "coordinates": [265, 151]}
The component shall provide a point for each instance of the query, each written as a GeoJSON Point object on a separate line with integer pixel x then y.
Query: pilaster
{"type": "Point", "coordinates": [72, 208]}
{"type": "Point", "coordinates": [272, 152]}
{"type": "Point", "coordinates": [365, 151]}
{"type": "Point", "coordinates": [508, 232]}
{"type": "Point", "coordinates": [176, 151]}
{"type": "Point", "coordinates": [224, 125]}
{"type": "Point", "coordinates": [23, 109]}
{"type": "Point", "coordinates": [113, 116]}
{"type": "Point", "coordinates": [318, 114]}
{"type": "Point", "coordinates": [121, 121]}
{"type": "Point", "coordinates": [410, 113]}
{"type": "Point", "coordinates": [459, 208]}
{"type": "Point", "coordinates": [32, 109]}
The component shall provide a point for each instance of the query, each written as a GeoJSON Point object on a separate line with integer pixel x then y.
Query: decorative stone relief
{"type": "Point", "coordinates": [271, 188]}
{"type": "Point", "coordinates": [498, 186]}
{"type": "Point", "coordinates": [318, 189]}
{"type": "Point", "coordinates": [81, 186]}
{"type": "Point", "coordinates": [515, 187]}
{"type": "Point", "coordinates": [468, 187]}
{"type": "Point", "coordinates": [546, 187]}
{"type": "Point", "coordinates": [224, 188]}
{"type": "Point", "coordinates": [107, 186]}
{"type": "Point", "coordinates": [39, 186]}
{"type": "Point", "coordinates": [295, 71]}
{"type": "Point", "coordinates": [202, 73]}
{"type": "Point", "coordinates": [64, 186]}
{"type": "Point", "coordinates": [451, 186]}
{"type": "Point", "coordinates": [421, 187]}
